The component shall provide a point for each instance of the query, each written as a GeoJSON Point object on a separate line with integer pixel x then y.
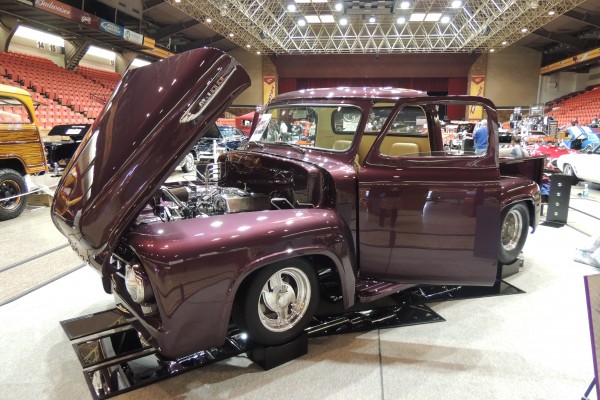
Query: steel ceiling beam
{"type": "Point", "coordinates": [148, 4]}
{"type": "Point", "coordinates": [169, 30]}
{"type": "Point", "coordinates": [587, 18]}
{"type": "Point", "coordinates": [477, 26]}
{"type": "Point", "coordinates": [560, 38]}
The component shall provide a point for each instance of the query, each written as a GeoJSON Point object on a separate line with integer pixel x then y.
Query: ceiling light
{"type": "Point", "coordinates": [404, 5]}
{"type": "Point", "coordinates": [551, 13]}
{"type": "Point", "coordinates": [291, 7]}
{"type": "Point", "coordinates": [456, 4]}
{"type": "Point", "coordinates": [492, 50]}
{"type": "Point", "coordinates": [177, 1]}
{"type": "Point", "coordinates": [343, 21]}
{"type": "Point", "coordinates": [327, 18]}
{"type": "Point", "coordinates": [208, 20]}
{"type": "Point", "coordinates": [401, 20]}
{"type": "Point", "coordinates": [372, 19]}
{"type": "Point", "coordinates": [524, 30]}
{"type": "Point", "coordinates": [433, 17]}
{"type": "Point", "coordinates": [445, 19]}
{"type": "Point", "coordinates": [231, 35]}
{"type": "Point", "coordinates": [248, 46]}
{"type": "Point", "coordinates": [301, 22]}
{"type": "Point", "coordinates": [339, 7]}
{"type": "Point", "coordinates": [504, 43]}
{"type": "Point", "coordinates": [417, 17]}
{"type": "Point", "coordinates": [312, 19]}
{"type": "Point", "coordinates": [258, 52]}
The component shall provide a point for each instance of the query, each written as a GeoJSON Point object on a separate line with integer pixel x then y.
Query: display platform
{"type": "Point", "coordinates": [115, 359]}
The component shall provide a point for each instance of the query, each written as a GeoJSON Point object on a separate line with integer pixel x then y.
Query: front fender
{"type": "Point", "coordinates": [196, 266]}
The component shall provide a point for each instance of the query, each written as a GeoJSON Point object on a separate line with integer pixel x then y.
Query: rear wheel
{"type": "Point", "coordinates": [279, 302]}
{"type": "Point", "coordinates": [568, 170]}
{"type": "Point", "coordinates": [11, 184]}
{"type": "Point", "coordinates": [515, 223]}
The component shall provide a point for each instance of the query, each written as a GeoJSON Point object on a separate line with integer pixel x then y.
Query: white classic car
{"type": "Point", "coordinates": [582, 166]}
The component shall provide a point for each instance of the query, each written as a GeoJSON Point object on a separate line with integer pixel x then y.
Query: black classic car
{"type": "Point", "coordinates": [64, 140]}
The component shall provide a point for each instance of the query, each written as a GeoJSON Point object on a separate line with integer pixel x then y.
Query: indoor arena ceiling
{"type": "Point", "coordinates": [558, 28]}
{"type": "Point", "coordinates": [383, 26]}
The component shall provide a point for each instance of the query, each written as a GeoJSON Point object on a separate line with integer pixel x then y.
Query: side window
{"type": "Point", "coordinates": [12, 111]}
{"type": "Point", "coordinates": [408, 135]}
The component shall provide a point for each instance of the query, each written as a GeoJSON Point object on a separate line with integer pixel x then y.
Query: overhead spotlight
{"type": "Point", "coordinates": [551, 13]}
{"type": "Point", "coordinates": [301, 22]}
{"type": "Point", "coordinates": [343, 21]}
{"type": "Point", "coordinates": [258, 53]}
{"type": "Point", "coordinates": [445, 19]}
{"type": "Point", "coordinates": [456, 4]}
{"type": "Point", "coordinates": [524, 30]}
{"type": "Point", "coordinates": [338, 7]}
{"type": "Point", "coordinates": [504, 43]}
{"type": "Point", "coordinates": [492, 50]}
{"type": "Point", "coordinates": [404, 5]}
{"type": "Point", "coordinates": [291, 7]}
{"type": "Point", "coordinates": [534, 4]}
{"type": "Point", "coordinates": [231, 35]}
{"type": "Point", "coordinates": [177, 1]}
{"type": "Point", "coordinates": [372, 19]}
{"type": "Point", "coordinates": [248, 46]}
{"type": "Point", "coordinates": [401, 20]}
{"type": "Point", "coordinates": [208, 20]}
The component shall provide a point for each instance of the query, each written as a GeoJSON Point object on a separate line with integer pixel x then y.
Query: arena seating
{"type": "Point", "coordinates": [584, 106]}
{"type": "Point", "coordinates": [65, 97]}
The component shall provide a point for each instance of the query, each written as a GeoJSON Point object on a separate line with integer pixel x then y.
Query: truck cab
{"type": "Point", "coordinates": [21, 150]}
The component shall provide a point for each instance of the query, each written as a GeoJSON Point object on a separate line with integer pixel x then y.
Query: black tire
{"type": "Point", "coordinates": [11, 184]}
{"type": "Point", "coordinates": [297, 275]}
{"type": "Point", "coordinates": [189, 163]}
{"type": "Point", "coordinates": [568, 170]}
{"type": "Point", "coordinates": [515, 226]}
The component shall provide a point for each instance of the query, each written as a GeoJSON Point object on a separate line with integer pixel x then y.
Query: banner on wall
{"type": "Point", "coordinates": [269, 88]}
{"type": "Point", "coordinates": [476, 88]}
{"type": "Point", "coordinates": [109, 27]}
{"type": "Point", "coordinates": [133, 37]}
{"type": "Point", "coordinates": [68, 12]}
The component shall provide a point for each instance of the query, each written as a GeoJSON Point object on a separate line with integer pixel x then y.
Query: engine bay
{"type": "Point", "coordinates": [227, 188]}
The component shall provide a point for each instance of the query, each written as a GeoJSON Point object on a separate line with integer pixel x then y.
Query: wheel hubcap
{"type": "Point", "coordinates": [511, 230]}
{"type": "Point", "coordinates": [284, 299]}
{"type": "Point", "coordinates": [9, 188]}
{"type": "Point", "coordinates": [190, 162]}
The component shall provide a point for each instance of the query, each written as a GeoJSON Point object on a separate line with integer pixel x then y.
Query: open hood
{"type": "Point", "coordinates": [155, 116]}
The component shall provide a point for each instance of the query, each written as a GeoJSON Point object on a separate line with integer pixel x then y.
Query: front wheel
{"type": "Point", "coordinates": [568, 170]}
{"type": "Point", "coordinates": [12, 184]}
{"type": "Point", "coordinates": [515, 223]}
{"type": "Point", "coordinates": [279, 302]}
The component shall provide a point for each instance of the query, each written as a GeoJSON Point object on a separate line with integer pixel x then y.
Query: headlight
{"type": "Point", "coordinates": [137, 284]}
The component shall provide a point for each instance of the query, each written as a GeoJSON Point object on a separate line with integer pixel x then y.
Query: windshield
{"type": "Point", "coordinates": [230, 132]}
{"type": "Point", "coordinates": [330, 127]}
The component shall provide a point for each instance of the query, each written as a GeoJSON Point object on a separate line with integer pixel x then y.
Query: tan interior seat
{"type": "Point", "coordinates": [401, 149]}
{"type": "Point", "coordinates": [342, 144]}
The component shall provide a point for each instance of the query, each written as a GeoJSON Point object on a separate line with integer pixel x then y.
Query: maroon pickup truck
{"type": "Point", "coordinates": [347, 189]}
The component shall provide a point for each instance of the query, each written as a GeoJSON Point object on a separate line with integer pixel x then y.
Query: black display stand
{"type": "Point", "coordinates": [116, 359]}
{"type": "Point", "coordinates": [558, 200]}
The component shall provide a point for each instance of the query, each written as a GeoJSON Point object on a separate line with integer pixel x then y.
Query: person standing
{"type": "Point", "coordinates": [517, 151]}
{"type": "Point", "coordinates": [480, 138]}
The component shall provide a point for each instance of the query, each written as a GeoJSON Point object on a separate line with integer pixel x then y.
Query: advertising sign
{"type": "Point", "coordinates": [476, 88]}
{"type": "Point", "coordinates": [269, 88]}
{"type": "Point", "coordinates": [592, 292]}
{"type": "Point", "coordinates": [111, 28]}
{"type": "Point", "coordinates": [68, 12]}
{"type": "Point", "coordinates": [133, 36]}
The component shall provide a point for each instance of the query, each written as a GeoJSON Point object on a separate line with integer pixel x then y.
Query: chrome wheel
{"type": "Point", "coordinates": [188, 163]}
{"type": "Point", "coordinates": [568, 170]}
{"type": "Point", "coordinates": [512, 230]}
{"type": "Point", "coordinates": [284, 299]}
